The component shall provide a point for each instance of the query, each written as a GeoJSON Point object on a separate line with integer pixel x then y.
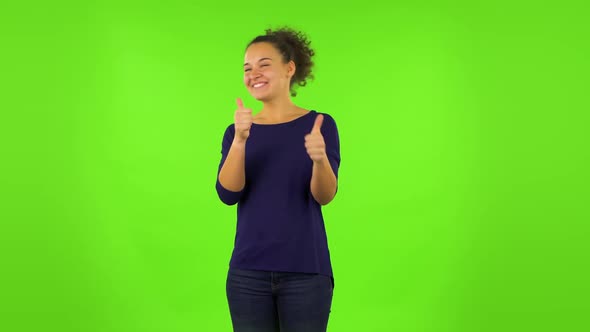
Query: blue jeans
{"type": "Point", "coordinates": [265, 301]}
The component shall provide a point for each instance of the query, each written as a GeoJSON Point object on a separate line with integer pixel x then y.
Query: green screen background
{"type": "Point", "coordinates": [463, 188]}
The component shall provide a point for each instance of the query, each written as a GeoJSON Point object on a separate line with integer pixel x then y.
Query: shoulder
{"type": "Point", "coordinates": [328, 122]}
{"type": "Point", "coordinates": [230, 129]}
{"type": "Point", "coordinates": [327, 116]}
{"type": "Point", "coordinates": [229, 132]}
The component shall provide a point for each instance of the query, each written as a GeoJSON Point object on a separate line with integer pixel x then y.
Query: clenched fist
{"type": "Point", "coordinates": [314, 141]}
{"type": "Point", "coordinates": [242, 122]}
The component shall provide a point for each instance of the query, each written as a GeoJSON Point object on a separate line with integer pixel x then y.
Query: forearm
{"type": "Point", "coordinates": [323, 182]}
{"type": "Point", "coordinates": [232, 175]}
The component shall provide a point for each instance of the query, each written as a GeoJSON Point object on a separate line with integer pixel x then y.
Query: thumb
{"type": "Point", "coordinates": [240, 103]}
{"type": "Point", "coordinates": [317, 124]}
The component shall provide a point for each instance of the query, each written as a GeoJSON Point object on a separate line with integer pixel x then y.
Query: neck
{"type": "Point", "coordinates": [278, 108]}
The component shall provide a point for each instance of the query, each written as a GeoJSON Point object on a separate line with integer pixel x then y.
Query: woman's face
{"type": "Point", "coordinates": [265, 74]}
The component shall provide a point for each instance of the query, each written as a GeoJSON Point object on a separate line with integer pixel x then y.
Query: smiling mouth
{"type": "Point", "coordinates": [259, 85]}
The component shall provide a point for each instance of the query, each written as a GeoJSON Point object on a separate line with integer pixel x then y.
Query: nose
{"type": "Point", "coordinates": [254, 73]}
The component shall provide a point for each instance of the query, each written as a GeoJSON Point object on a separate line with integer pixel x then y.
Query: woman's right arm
{"type": "Point", "coordinates": [233, 172]}
{"type": "Point", "coordinates": [232, 175]}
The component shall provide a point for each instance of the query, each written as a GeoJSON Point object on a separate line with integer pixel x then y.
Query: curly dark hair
{"type": "Point", "coordinates": [293, 45]}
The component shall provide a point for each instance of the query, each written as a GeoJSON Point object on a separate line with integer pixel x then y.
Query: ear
{"type": "Point", "coordinates": [291, 68]}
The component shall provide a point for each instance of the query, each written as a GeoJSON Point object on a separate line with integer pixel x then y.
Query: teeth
{"type": "Point", "coordinates": [257, 85]}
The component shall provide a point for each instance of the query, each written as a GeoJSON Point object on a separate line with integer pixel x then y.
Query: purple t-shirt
{"type": "Point", "coordinates": [280, 226]}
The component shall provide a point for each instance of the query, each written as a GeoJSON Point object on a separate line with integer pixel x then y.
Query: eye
{"type": "Point", "coordinates": [247, 69]}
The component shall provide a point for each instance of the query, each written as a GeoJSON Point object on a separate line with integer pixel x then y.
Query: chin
{"type": "Point", "coordinates": [262, 97]}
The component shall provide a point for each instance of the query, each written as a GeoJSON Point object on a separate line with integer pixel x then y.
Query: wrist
{"type": "Point", "coordinates": [322, 161]}
{"type": "Point", "coordinates": [240, 143]}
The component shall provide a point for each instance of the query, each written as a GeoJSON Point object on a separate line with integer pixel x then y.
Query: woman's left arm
{"type": "Point", "coordinates": [326, 159]}
{"type": "Point", "coordinates": [323, 182]}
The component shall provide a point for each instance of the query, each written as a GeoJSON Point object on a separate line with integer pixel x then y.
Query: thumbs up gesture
{"type": "Point", "coordinates": [242, 122]}
{"type": "Point", "coordinates": [314, 141]}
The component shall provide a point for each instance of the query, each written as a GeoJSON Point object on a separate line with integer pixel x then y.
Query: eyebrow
{"type": "Point", "coordinates": [258, 61]}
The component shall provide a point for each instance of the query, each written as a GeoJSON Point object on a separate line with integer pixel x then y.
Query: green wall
{"type": "Point", "coordinates": [463, 190]}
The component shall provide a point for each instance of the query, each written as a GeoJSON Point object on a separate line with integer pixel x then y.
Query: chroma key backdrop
{"type": "Point", "coordinates": [463, 200]}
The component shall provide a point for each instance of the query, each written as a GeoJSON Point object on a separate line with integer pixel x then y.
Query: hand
{"type": "Point", "coordinates": [314, 142]}
{"type": "Point", "coordinates": [242, 122]}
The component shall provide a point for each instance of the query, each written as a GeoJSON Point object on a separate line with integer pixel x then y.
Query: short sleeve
{"type": "Point", "coordinates": [329, 130]}
{"type": "Point", "coordinates": [226, 196]}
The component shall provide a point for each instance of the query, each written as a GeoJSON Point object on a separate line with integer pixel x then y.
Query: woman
{"type": "Point", "coordinates": [280, 166]}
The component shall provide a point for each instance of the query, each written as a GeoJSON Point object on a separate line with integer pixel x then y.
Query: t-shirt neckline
{"type": "Point", "coordinates": [284, 123]}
